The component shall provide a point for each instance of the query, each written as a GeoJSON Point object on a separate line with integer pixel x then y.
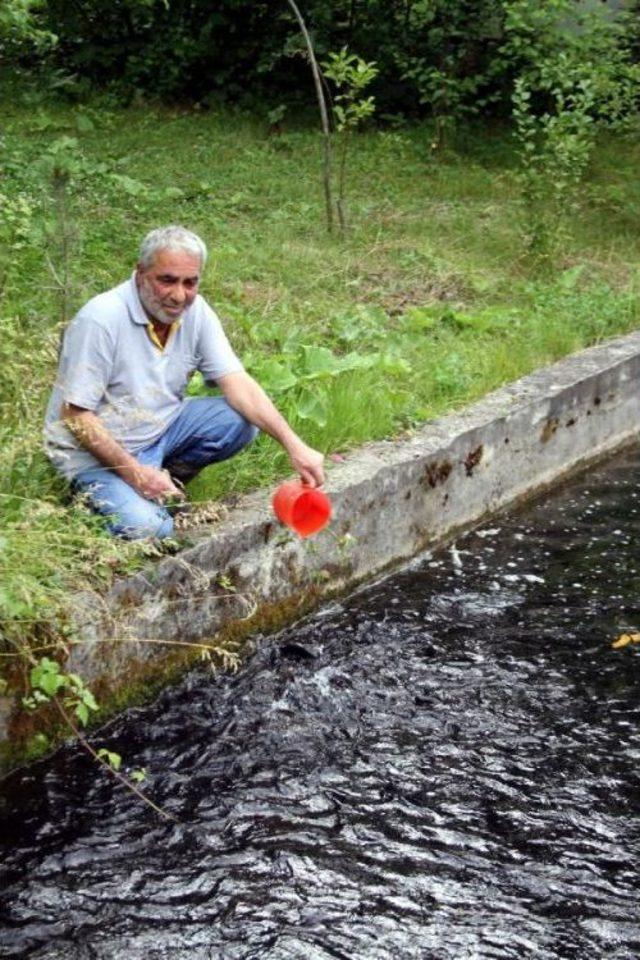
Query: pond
{"type": "Point", "coordinates": [444, 766]}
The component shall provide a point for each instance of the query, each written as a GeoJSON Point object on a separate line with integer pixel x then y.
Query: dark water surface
{"type": "Point", "coordinates": [445, 766]}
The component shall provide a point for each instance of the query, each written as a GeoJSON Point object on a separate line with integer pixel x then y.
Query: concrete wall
{"type": "Point", "coordinates": [391, 500]}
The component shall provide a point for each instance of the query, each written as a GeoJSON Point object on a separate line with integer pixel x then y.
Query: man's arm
{"type": "Point", "coordinates": [151, 483]}
{"type": "Point", "coordinates": [247, 397]}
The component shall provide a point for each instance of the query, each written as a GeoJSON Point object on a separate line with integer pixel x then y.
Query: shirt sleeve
{"type": "Point", "coordinates": [87, 361]}
{"type": "Point", "coordinates": [215, 357]}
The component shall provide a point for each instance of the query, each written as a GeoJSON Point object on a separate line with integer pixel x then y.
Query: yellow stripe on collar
{"type": "Point", "coordinates": [155, 339]}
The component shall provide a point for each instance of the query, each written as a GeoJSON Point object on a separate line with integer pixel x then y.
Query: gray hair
{"type": "Point", "coordinates": [172, 237]}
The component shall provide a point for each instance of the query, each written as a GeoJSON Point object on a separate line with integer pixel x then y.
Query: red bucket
{"type": "Point", "coordinates": [305, 509]}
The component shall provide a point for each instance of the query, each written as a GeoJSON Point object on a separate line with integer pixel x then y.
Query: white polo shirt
{"type": "Point", "coordinates": [110, 365]}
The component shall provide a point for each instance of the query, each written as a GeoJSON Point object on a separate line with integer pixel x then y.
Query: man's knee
{"type": "Point", "coordinates": [245, 432]}
{"type": "Point", "coordinates": [229, 432]}
{"type": "Point", "coordinates": [214, 431]}
{"type": "Point", "coordinates": [239, 434]}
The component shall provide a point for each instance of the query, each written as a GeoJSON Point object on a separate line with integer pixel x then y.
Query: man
{"type": "Point", "coordinates": [118, 426]}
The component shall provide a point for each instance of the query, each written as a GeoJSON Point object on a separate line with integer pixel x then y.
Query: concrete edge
{"type": "Point", "coordinates": [391, 500]}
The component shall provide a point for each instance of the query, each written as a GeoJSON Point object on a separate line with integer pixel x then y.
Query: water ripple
{"type": "Point", "coordinates": [442, 767]}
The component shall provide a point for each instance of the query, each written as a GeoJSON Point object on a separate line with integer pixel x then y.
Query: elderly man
{"type": "Point", "coordinates": [118, 426]}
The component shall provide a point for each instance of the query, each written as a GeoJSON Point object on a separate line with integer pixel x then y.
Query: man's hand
{"type": "Point", "coordinates": [153, 484]}
{"type": "Point", "coordinates": [150, 482]}
{"type": "Point", "coordinates": [308, 463]}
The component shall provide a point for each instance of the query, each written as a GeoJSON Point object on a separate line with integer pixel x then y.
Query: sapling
{"type": "Point", "coordinates": [351, 75]}
{"type": "Point", "coordinates": [63, 166]}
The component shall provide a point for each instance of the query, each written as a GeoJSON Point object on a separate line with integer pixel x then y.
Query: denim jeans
{"type": "Point", "coordinates": [207, 430]}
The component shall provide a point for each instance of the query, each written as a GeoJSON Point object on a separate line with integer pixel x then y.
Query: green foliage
{"type": "Point", "coordinates": [576, 77]}
{"type": "Point", "coordinates": [351, 75]}
{"type": "Point", "coordinates": [167, 48]}
{"type": "Point", "coordinates": [450, 59]}
{"type": "Point", "coordinates": [555, 151]}
{"type": "Point", "coordinates": [19, 29]}
{"type": "Point", "coordinates": [48, 681]}
{"type": "Point", "coordinates": [300, 376]}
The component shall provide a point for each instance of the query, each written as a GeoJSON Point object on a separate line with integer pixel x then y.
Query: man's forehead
{"type": "Point", "coordinates": [177, 263]}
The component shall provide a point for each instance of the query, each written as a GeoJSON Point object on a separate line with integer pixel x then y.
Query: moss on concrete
{"type": "Point", "coordinates": [32, 734]}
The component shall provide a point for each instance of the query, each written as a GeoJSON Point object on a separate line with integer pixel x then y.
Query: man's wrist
{"type": "Point", "coordinates": [128, 469]}
{"type": "Point", "coordinates": [293, 444]}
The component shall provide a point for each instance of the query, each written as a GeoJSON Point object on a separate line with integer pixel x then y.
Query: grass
{"type": "Point", "coordinates": [432, 285]}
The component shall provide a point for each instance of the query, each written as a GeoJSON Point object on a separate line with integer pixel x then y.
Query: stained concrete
{"type": "Point", "coordinates": [391, 500]}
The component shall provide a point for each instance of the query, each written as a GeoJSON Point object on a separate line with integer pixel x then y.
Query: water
{"type": "Point", "coordinates": [443, 767]}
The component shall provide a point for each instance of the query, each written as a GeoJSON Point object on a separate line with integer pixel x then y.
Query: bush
{"type": "Point", "coordinates": [447, 58]}
{"type": "Point", "coordinates": [575, 78]}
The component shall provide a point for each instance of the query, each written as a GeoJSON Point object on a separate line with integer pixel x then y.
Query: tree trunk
{"type": "Point", "coordinates": [324, 115]}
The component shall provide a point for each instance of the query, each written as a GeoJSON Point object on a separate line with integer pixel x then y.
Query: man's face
{"type": "Point", "coordinates": [169, 285]}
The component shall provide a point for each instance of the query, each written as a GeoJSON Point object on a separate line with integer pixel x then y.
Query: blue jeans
{"type": "Point", "coordinates": [207, 430]}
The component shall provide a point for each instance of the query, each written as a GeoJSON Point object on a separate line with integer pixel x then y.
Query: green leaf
{"type": "Point", "coordinates": [130, 186]}
{"type": "Point", "coordinates": [312, 407]}
{"type": "Point", "coordinates": [569, 278]}
{"type": "Point", "coordinates": [82, 713]}
{"type": "Point", "coordinates": [41, 741]}
{"type": "Point", "coordinates": [275, 377]}
{"type": "Point", "coordinates": [11, 605]}
{"type": "Point", "coordinates": [46, 676]}
{"type": "Point", "coordinates": [138, 775]}
{"type": "Point", "coordinates": [319, 362]}
{"type": "Point", "coordinates": [113, 759]}
{"type": "Point", "coordinates": [84, 123]}
{"type": "Point", "coordinates": [357, 361]}
{"type": "Point", "coordinates": [89, 700]}
{"type": "Point", "coordinates": [394, 365]}
{"type": "Point", "coordinates": [340, 115]}
{"type": "Point", "coordinates": [196, 386]}
{"type": "Point", "coordinates": [421, 318]}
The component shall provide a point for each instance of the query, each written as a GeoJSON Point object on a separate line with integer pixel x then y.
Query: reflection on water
{"type": "Point", "coordinates": [443, 767]}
